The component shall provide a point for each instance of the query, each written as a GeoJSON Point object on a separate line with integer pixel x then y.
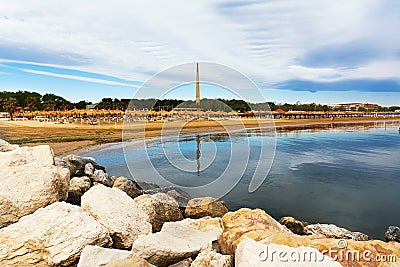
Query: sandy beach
{"type": "Point", "coordinates": [66, 138]}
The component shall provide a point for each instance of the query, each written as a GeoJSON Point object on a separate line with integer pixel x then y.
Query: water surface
{"type": "Point", "coordinates": [348, 175]}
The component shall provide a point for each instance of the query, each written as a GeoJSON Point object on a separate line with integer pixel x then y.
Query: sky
{"type": "Point", "coordinates": [308, 51]}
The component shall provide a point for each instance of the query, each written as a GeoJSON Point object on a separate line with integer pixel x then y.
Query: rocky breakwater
{"type": "Point", "coordinates": [114, 222]}
{"type": "Point", "coordinates": [84, 173]}
{"type": "Point", "coordinates": [262, 230]}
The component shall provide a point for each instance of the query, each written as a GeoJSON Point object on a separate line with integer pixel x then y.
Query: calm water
{"type": "Point", "coordinates": [348, 176]}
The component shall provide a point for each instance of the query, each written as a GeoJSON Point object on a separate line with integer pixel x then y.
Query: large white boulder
{"type": "Point", "coordinates": [174, 243]}
{"type": "Point", "coordinates": [51, 236]}
{"type": "Point", "coordinates": [94, 256]}
{"type": "Point", "coordinates": [250, 253]}
{"type": "Point", "coordinates": [42, 155]}
{"type": "Point", "coordinates": [28, 181]}
{"type": "Point", "coordinates": [116, 211]}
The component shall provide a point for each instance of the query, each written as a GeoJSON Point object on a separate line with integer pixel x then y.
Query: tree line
{"type": "Point", "coordinates": [33, 101]}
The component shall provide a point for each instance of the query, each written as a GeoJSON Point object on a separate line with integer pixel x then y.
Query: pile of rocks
{"type": "Point", "coordinates": [320, 229]}
{"type": "Point", "coordinates": [84, 173]}
{"type": "Point", "coordinates": [114, 222]}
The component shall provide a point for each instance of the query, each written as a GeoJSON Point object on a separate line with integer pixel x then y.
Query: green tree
{"type": "Point", "coordinates": [49, 105]}
{"type": "Point", "coordinates": [9, 105]}
{"type": "Point", "coordinates": [31, 103]}
{"type": "Point", "coordinates": [81, 104]}
{"type": "Point", "coordinates": [106, 103]}
{"type": "Point", "coordinates": [54, 102]}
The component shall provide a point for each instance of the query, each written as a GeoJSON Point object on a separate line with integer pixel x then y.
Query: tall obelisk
{"type": "Point", "coordinates": [197, 91]}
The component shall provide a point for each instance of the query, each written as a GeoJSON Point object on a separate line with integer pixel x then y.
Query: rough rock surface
{"type": "Point", "coordinates": [28, 181]}
{"type": "Point", "coordinates": [116, 211]}
{"type": "Point", "coordinates": [94, 256]}
{"type": "Point", "coordinates": [294, 225]}
{"type": "Point", "coordinates": [132, 262]}
{"type": "Point", "coordinates": [206, 224]}
{"type": "Point", "coordinates": [147, 186]}
{"type": "Point", "coordinates": [248, 255]}
{"type": "Point", "coordinates": [42, 155]}
{"type": "Point", "coordinates": [131, 188]}
{"type": "Point", "coordinates": [5, 146]}
{"type": "Point", "coordinates": [178, 194]}
{"type": "Point", "coordinates": [101, 177]}
{"type": "Point", "coordinates": [181, 197]}
{"type": "Point", "coordinates": [77, 165]}
{"type": "Point", "coordinates": [60, 163]}
{"type": "Point", "coordinates": [172, 245]}
{"type": "Point", "coordinates": [393, 234]}
{"type": "Point", "coordinates": [89, 169]}
{"type": "Point", "coordinates": [160, 208]}
{"type": "Point", "coordinates": [183, 263]}
{"type": "Point", "coordinates": [77, 187]}
{"type": "Point", "coordinates": [205, 206]}
{"type": "Point", "coordinates": [212, 259]}
{"type": "Point", "coordinates": [255, 224]}
{"type": "Point", "coordinates": [259, 226]}
{"type": "Point", "coordinates": [333, 231]}
{"type": "Point", "coordinates": [51, 236]}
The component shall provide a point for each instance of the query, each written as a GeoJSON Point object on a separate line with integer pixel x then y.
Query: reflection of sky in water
{"type": "Point", "coordinates": [346, 177]}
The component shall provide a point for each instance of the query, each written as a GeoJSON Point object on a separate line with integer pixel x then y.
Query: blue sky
{"type": "Point", "coordinates": [307, 51]}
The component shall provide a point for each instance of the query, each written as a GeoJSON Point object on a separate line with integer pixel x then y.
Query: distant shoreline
{"type": "Point", "coordinates": [281, 128]}
{"type": "Point", "coordinates": [74, 137]}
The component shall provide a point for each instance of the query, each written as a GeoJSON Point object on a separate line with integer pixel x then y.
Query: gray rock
{"type": "Point", "coordinates": [294, 225]}
{"type": "Point", "coordinates": [89, 169]}
{"type": "Point", "coordinates": [166, 190]}
{"type": "Point", "coordinates": [101, 177]}
{"type": "Point", "coordinates": [160, 208]}
{"type": "Point", "coordinates": [181, 197]}
{"type": "Point", "coordinates": [61, 163]}
{"type": "Point", "coordinates": [147, 186]}
{"type": "Point", "coordinates": [76, 165]}
{"type": "Point", "coordinates": [392, 234]}
{"type": "Point", "coordinates": [77, 187]}
{"type": "Point", "coordinates": [178, 194]}
{"type": "Point", "coordinates": [51, 236]}
{"type": "Point", "coordinates": [116, 211]}
{"type": "Point", "coordinates": [131, 188]}
{"type": "Point", "coordinates": [94, 256]}
{"type": "Point", "coordinates": [333, 231]}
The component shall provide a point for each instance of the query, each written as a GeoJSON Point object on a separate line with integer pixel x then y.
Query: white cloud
{"type": "Point", "coordinates": [265, 40]}
{"type": "Point", "coordinates": [314, 74]}
{"type": "Point", "coordinates": [79, 78]}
